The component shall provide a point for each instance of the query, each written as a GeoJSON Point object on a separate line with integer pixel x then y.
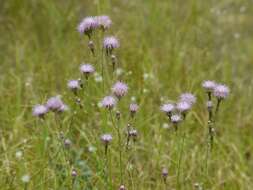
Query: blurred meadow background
{"type": "Point", "coordinates": [166, 48]}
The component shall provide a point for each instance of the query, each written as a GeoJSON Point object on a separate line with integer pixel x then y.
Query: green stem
{"type": "Point", "coordinates": [119, 147]}
{"type": "Point", "coordinates": [179, 160]}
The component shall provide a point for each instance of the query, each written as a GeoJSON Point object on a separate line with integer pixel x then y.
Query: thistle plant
{"type": "Point", "coordinates": [176, 113]}
{"type": "Point", "coordinates": [220, 92]}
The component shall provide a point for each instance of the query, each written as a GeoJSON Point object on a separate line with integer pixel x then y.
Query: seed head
{"type": "Point", "coordinates": [39, 110]}
{"type": "Point", "coordinates": [221, 91]}
{"type": "Point", "coordinates": [109, 102]}
{"type": "Point", "coordinates": [188, 97]}
{"type": "Point", "coordinates": [119, 89]}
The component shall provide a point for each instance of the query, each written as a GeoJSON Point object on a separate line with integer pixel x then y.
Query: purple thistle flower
{"type": "Point", "coordinates": [183, 107]}
{"type": "Point", "coordinates": [110, 43]}
{"type": "Point", "coordinates": [208, 85]}
{"type": "Point", "coordinates": [221, 91]}
{"type": "Point", "coordinates": [39, 110]}
{"type": "Point", "coordinates": [168, 108]}
{"type": "Point", "coordinates": [133, 108]}
{"type": "Point", "coordinates": [54, 103]}
{"type": "Point", "coordinates": [87, 26]}
{"type": "Point", "coordinates": [175, 119]}
{"type": "Point", "coordinates": [87, 69]}
{"type": "Point", "coordinates": [73, 85]}
{"type": "Point", "coordinates": [119, 89]}
{"type": "Point", "coordinates": [188, 97]}
{"type": "Point", "coordinates": [104, 22]}
{"type": "Point", "coordinates": [106, 138]}
{"type": "Point", "coordinates": [108, 102]}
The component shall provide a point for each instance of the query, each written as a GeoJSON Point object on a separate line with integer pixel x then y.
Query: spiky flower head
{"type": "Point", "coordinates": [87, 26]}
{"type": "Point", "coordinates": [188, 97]}
{"type": "Point", "coordinates": [39, 110]}
{"type": "Point", "coordinates": [167, 108]}
{"type": "Point", "coordinates": [109, 102]}
{"type": "Point", "coordinates": [87, 69]}
{"type": "Point", "coordinates": [175, 119]}
{"type": "Point", "coordinates": [104, 22]}
{"type": "Point", "coordinates": [110, 43]}
{"type": "Point", "coordinates": [208, 85]}
{"type": "Point", "coordinates": [221, 91]}
{"type": "Point", "coordinates": [133, 107]}
{"type": "Point", "coordinates": [106, 138]}
{"type": "Point", "coordinates": [183, 106]}
{"type": "Point", "coordinates": [73, 85]}
{"type": "Point", "coordinates": [55, 103]}
{"type": "Point", "coordinates": [119, 89]}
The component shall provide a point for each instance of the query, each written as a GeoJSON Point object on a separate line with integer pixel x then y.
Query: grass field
{"type": "Point", "coordinates": [166, 48]}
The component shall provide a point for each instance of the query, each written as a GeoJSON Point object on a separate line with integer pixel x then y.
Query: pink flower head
{"type": "Point", "coordinates": [110, 43]}
{"type": "Point", "coordinates": [133, 108]}
{"type": "Point", "coordinates": [87, 69]}
{"type": "Point", "coordinates": [73, 85]}
{"type": "Point", "coordinates": [39, 110]}
{"type": "Point", "coordinates": [87, 25]}
{"type": "Point", "coordinates": [208, 85]}
{"type": "Point", "coordinates": [175, 119]}
{"type": "Point", "coordinates": [54, 103]}
{"type": "Point", "coordinates": [183, 107]}
{"type": "Point", "coordinates": [109, 102]}
{"type": "Point", "coordinates": [104, 22]}
{"type": "Point", "coordinates": [221, 91]}
{"type": "Point", "coordinates": [119, 89]}
{"type": "Point", "coordinates": [106, 138]}
{"type": "Point", "coordinates": [167, 108]}
{"type": "Point", "coordinates": [187, 97]}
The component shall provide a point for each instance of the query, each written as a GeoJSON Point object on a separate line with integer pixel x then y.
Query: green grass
{"type": "Point", "coordinates": [177, 43]}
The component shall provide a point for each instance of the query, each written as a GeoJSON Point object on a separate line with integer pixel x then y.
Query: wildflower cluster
{"type": "Point", "coordinates": [220, 92]}
{"type": "Point", "coordinates": [177, 112]}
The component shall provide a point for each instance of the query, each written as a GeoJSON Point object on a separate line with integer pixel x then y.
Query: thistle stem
{"type": "Point", "coordinates": [119, 147]}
